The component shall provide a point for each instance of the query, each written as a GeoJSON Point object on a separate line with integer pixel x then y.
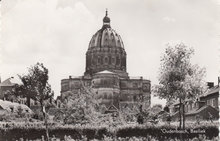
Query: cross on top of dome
{"type": "Point", "coordinates": [106, 12]}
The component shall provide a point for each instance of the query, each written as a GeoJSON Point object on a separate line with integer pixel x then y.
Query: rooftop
{"type": "Point", "coordinates": [11, 81]}
{"type": "Point", "coordinates": [212, 90]}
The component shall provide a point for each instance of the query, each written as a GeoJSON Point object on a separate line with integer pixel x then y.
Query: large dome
{"type": "Point", "coordinates": [106, 51]}
{"type": "Point", "coordinates": [106, 37]}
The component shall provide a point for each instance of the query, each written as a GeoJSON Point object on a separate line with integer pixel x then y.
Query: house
{"type": "Point", "coordinates": [205, 107]}
{"type": "Point", "coordinates": [204, 113]}
{"type": "Point", "coordinates": [6, 89]}
{"type": "Point", "coordinates": [211, 97]}
{"type": "Point", "coordinates": [7, 94]}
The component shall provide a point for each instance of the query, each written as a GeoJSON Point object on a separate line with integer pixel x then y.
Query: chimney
{"type": "Point", "coordinates": [210, 84]}
{"type": "Point", "coordinates": [218, 81]}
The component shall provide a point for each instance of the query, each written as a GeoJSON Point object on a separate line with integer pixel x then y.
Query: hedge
{"type": "Point", "coordinates": [33, 133]}
{"type": "Point", "coordinates": [77, 132]}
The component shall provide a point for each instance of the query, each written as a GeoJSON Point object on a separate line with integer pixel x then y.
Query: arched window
{"type": "Point", "coordinates": [113, 60]}
{"type": "Point", "coordinates": [106, 60]}
{"type": "Point", "coordinates": [124, 61]}
{"type": "Point", "coordinates": [109, 58]}
{"type": "Point", "coordinates": [118, 60]}
{"type": "Point", "coordinates": [94, 60]}
{"type": "Point", "coordinates": [106, 41]}
{"type": "Point", "coordinates": [103, 82]}
{"type": "Point", "coordinates": [99, 60]}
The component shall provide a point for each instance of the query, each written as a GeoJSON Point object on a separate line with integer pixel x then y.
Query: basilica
{"type": "Point", "coordinates": [106, 75]}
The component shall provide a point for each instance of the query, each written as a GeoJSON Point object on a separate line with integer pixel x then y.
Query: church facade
{"type": "Point", "coordinates": [106, 75]}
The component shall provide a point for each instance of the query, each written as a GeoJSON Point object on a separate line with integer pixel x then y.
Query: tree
{"type": "Point", "coordinates": [156, 108]}
{"type": "Point", "coordinates": [35, 86]}
{"type": "Point", "coordinates": [82, 107]}
{"type": "Point", "coordinates": [179, 79]}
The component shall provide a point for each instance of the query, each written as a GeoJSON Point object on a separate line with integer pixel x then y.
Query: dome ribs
{"type": "Point", "coordinates": [106, 37]}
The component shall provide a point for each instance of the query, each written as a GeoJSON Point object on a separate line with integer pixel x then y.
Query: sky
{"type": "Point", "coordinates": [57, 33]}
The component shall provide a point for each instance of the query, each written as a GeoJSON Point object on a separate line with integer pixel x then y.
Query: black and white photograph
{"type": "Point", "coordinates": [109, 70]}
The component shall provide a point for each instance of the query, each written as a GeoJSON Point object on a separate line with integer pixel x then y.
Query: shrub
{"type": "Point", "coordinates": [35, 130]}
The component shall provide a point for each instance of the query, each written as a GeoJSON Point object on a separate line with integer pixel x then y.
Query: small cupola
{"type": "Point", "coordinates": [106, 20]}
